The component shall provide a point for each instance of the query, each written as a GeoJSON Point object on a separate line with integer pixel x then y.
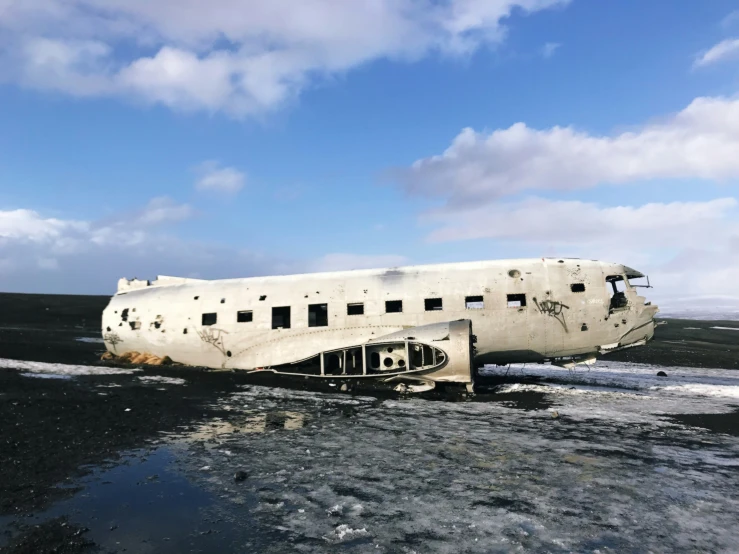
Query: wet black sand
{"type": "Point", "coordinates": [52, 431]}
{"type": "Point", "coordinates": [688, 343]}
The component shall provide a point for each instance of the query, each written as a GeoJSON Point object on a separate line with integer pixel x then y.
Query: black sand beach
{"type": "Point", "coordinates": [55, 432]}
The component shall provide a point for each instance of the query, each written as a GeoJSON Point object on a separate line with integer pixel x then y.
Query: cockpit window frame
{"type": "Point", "coordinates": [613, 279]}
{"type": "Point", "coordinates": [618, 299]}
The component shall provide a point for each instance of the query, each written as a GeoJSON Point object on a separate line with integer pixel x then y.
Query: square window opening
{"type": "Point", "coordinates": [281, 317]}
{"type": "Point", "coordinates": [577, 287]}
{"type": "Point", "coordinates": [244, 316]}
{"type": "Point", "coordinates": [210, 319]}
{"type": "Point", "coordinates": [317, 315]}
{"type": "Point", "coordinates": [393, 306]}
{"type": "Point", "coordinates": [355, 309]}
{"type": "Point", "coordinates": [433, 304]}
{"type": "Point", "coordinates": [474, 303]}
{"type": "Point", "coordinates": [516, 300]}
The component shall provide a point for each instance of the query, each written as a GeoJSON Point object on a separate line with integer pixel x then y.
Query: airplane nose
{"type": "Point", "coordinates": [647, 316]}
{"type": "Point", "coordinates": [643, 329]}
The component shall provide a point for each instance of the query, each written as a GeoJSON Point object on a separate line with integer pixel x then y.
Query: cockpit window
{"type": "Point", "coordinates": [617, 287]}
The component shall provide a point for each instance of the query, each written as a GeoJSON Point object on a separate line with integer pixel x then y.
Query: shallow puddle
{"type": "Point", "coordinates": [146, 505]}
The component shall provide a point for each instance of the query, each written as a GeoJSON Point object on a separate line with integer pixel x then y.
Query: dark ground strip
{"type": "Point", "coordinates": [716, 423]}
{"type": "Point", "coordinates": [700, 346]}
{"type": "Point", "coordinates": [56, 536]}
{"type": "Point", "coordinates": [43, 327]}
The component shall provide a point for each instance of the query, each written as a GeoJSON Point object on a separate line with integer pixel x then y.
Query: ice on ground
{"type": "Point", "coordinates": [345, 533]}
{"type": "Point", "coordinates": [62, 369]}
{"type": "Point", "coordinates": [161, 379]}
{"type": "Point", "coordinates": [90, 339]}
{"type": "Point", "coordinates": [624, 376]}
{"type": "Point", "coordinates": [46, 376]}
{"type": "Point", "coordinates": [614, 472]}
{"type": "Point", "coordinates": [621, 391]}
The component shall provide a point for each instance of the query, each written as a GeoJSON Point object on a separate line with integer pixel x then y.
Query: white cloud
{"type": "Point", "coordinates": [689, 249]}
{"type": "Point", "coordinates": [89, 257]}
{"type": "Point", "coordinates": [52, 235]}
{"type": "Point", "coordinates": [731, 19]}
{"type": "Point", "coordinates": [240, 56]}
{"type": "Point", "coordinates": [175, 77]}
{"type": "Point", "coordinates": [724, 50]}
{"type": "Point", "coordinates": [700, 142]}
{"type": "Point", "coordinates": [588, 225]}
{"type": "Point", "coordinates": [220, 179]}
{"type": "Point", "coordinates": [549, 49]}
{"type": "Point", "coordinates": [29, 226]}
{"type": "Point", "coordinates": [163, 210]}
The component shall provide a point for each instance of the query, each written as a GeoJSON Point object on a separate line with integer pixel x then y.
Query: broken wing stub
{"type": "Point", "coordinates": [427, 354]}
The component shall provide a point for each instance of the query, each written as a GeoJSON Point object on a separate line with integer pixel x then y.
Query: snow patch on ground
{"type": "Point", "coordinates": [727, 328]}
{"type": "Point", "coordinates": [627, 392]}
{"type": "Point", "coordinates": [624, 376]}
{"type": "Point", "coordinates": [46, 376]}
{"type": "Point", "coordinates": [345, 533]}
{"type": "Point", "coordinates": [161, 379]}
{"type": "Point", "coordinates": [703, 390]}
{"type": "Point", "coordinates": [62, 369]}
{"type": "Point", "coordinates": [277, 393]}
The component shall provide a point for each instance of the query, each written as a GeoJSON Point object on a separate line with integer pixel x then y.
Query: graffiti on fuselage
{"type": "Point", "coordinates": [555, 309]}
{"type": "Point", "coordinates": [214, 337]}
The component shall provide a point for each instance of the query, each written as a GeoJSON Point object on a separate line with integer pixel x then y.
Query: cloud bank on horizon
{"type": "Point", "coordinates": [660, 194]}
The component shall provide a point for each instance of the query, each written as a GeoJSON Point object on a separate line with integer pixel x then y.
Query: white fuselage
{"type": "Point", "coordinates": [521, 310]}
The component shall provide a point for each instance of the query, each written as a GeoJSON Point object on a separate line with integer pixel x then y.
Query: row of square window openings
{"type": "Point", "coordinates": [318, 313]}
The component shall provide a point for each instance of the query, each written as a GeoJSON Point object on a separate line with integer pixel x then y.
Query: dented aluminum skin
{"type": "Point", "coordinates": [565, 311]}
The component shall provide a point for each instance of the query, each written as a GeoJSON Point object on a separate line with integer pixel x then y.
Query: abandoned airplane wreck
{"type": "Point", "coordinates": [414, 326]}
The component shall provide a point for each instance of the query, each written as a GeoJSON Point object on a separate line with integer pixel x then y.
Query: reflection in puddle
{"type": "Point", "coordinates": [287, 420]}
{"type": "Point", "coordinates": [146, 505]}
{"type": "Point", "coordinates": [254, 423]}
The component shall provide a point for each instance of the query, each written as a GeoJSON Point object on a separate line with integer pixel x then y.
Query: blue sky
{"type": "Point", "coordinates": [159, 137]}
